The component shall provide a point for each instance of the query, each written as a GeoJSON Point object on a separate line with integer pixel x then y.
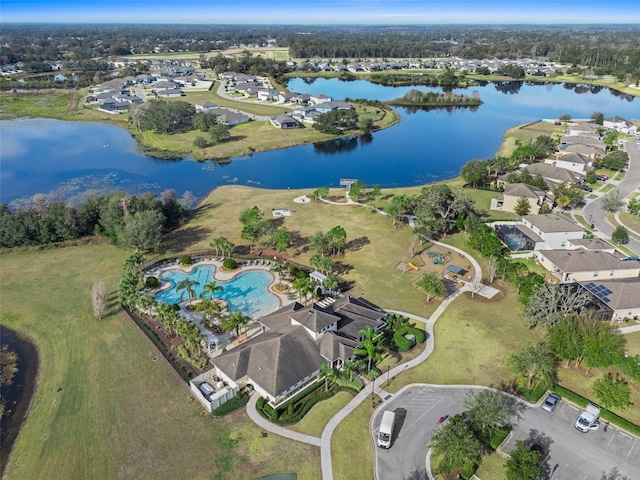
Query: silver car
{"type": "Point", "coordinates": [551, 402]}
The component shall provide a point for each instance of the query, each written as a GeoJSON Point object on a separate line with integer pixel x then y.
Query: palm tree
{"type": "Point", "coordinates": [329, 375]}
{"type": "Point", "coordinates": [279, 269]}
{"type": "Point", "coordinates": [146, 303]}
{"type": "Point", "coordinates": [211, 288]}
{"type": "Point", "coordinates": [167, 316]}
{"type": "Point", "coordinates": [369, 346]}
{"type": "Point", "coordinates": [235, 321]}
{"type": "Point", "coordinates": [302, 286]}
{"type": "Point", "coordinates": [208, 307]}
{"type": "Point", "coordinates": [187, 285]}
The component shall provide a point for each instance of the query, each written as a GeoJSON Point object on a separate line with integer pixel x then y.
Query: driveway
{"type": "Point", "coordinates": [631, 181]}
{"type": "Point", "coordinates": [568, 453]}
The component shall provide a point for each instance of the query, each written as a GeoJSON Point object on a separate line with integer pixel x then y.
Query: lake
{"type": "Point", "coordinates": [72, 159]}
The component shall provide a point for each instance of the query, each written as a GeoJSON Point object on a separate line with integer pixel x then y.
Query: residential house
{"type": "Point", "coordinates": [331, 106]}
{"type": "Point", "coordinates": [619, 297]}
{"type": "Point", "coordinates": [301, 99]}
{"type": "Point", "coordinates": [206, 107]}
{"type": "Point", "coordinates": [514, 191]}
{"type": "Point", "coordinates": [585, 265]}
{"type": "Point", "coordinates": [267, 94]}
{"type": "Point", "coordinates": [320, 98]}
{"type": "Point", "coordinates": [591, 244]}
{"type": "Point", "coordinates": [297, 340]}
{"type": "Point", "coordinates": [592, 151]}
{"type": "Point", "coordinates": [229, 118]}
{"type": "Point", "coordinates": [620, 124]}
{"type": "Point", "coordinates": [586, 129]}
{"type": "Point", "coordinates": [555, 176]}
{"type": "Point", "coordinates": [575, 162]}
{"type": "Point", "coordinates": [284, 122]}
{"type": "Point", "coordinates": [285, 97]}
{"type": "Point", "coordinates": [554, 230]}
{"type": "Point", "coordinates": [582, 140]}
{"type": "Point", "coordinates": [168, 93]}
{"type": "Point", "coordinates": [305, 114]}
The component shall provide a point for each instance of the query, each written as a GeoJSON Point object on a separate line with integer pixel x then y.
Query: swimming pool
{"type": "Point", "coordinates": [247, 292]}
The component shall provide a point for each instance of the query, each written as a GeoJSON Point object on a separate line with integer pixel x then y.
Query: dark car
{"type": "Point", "coordinates": [587, 188]}
{"type": "Point", "coordinates": [551, 402]}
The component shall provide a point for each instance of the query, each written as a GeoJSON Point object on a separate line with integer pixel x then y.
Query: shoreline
{"type": "Point", "coordinates": [26, 383]}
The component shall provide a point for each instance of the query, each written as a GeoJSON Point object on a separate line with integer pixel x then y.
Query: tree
{"type": "Point", "coordinates": [597, 117]}
{"type": "Point", "coordinates": [200, 142]}
{"type": "Point", "coordinates": [328, 373]}
{"type": "Point", "coordinates": [337, 238]}
{"type": "Point", "coordinates": [320, 242]}
{"type": "Point", "coordinates": [612, 392]}
{"type": "Point", "coordinates": [356, 190]}
{"type": "Point", "coordinates": [488, 410]}
{"type": "Point", "coordinates": [612, 201]}
{"type": "Point", "coordinates": [203, 121]}
{"type": "Point", "coordinates": [98, 297]}
{"type": "Point", "coordinates": [523, 463]}
{"type": "Point", "coordinates": [431, 284]}
{"type": "Point", "coordinates": [219, 132]}
{"type": "Point", "coordinates": [611, 139]}
{"type": "Point", "coordinates": [319, 193]}
{"type": "Point", "coordinates": [475, 173]}
{"type": "Point", "coordinates": [616, 160]}
{"type": "Point", "coordinates": [279, 268]}
{"type": "Point", "coordinates": [366, 125]}
{"type": "Point", "coordinates": [376, 191]}
{"type": "Point", "coordinates": [566, 338]}
{"type": "Point", "coordinates": [208, 307]}
{"type": "Point", "coordinates": [324, 264]}
{"type": "Point", "coordinates": [603, 344]}
{"type": "Point", "coordinates": [552, 302]}
{"type": "Point", "coordinates": [336, 121]}
{"type": "Point", "coordinates": [399, 206]}
{"type": "Point", "coordinates": [456, 444]}
{"type": "Point", "coordinates": [369, 346]}
{"type": "Point", "coordinates": [536, 362]}
{"type": "Point", "coordinates": [492, 268]}
{"type": "Point", "coordinates": [438, 207]}
{"type": "Point", "coordinates": [167, 117]}
{"type": "Point", "coordinates": [302, 286]}
{"type": "Point", "coordinates": [143, 230]}
{"type": "Point", "coordinates": [565, 117]}
{"type": "Point", "coordinates": [210, 289]}
{"type": "Point", "coordinates": [186, 286]}
{"type": "Point", "coordinates": [620, 235]}
{"type": "Point", "coordinates": [634, 206]}
{"type": "Point", "coordinates": [523, 207]}
{"type": "Point", "coordinates": [188, 200]}
{"type": "Point", "coordinates": [331, 283]}
{"type": "Point", "coordinates": [234, 322]}
{"type": "Point", "coordinates": [568, 196]}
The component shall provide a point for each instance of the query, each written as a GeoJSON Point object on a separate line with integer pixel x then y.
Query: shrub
{"type": "Point", "coordinates": [186, 260]}
{"type": "Point", "coordinates": [373, 373]}
{"type": "Point", "coordinates": [274, 415]}
{"type": "Point", "coordinates": [229, 264]}
{"type": "Point", "coordinates": [468, 470]}
{"type": "Point", "coordinates": [200, 142]}
{"type": "Point", "coordinates": [290, 409]}
{"type": "Point", "coordinates": [499, 437]}
{"type": "Point", "coordinates": [630, 366]}
{"type": "Point", "coordinates": [229, 406]}
{"type": "Point", "coordinates": [260, 403]}
{"type": "Point", "coordinates": [402, 343]}
{"type": "Point", "coordinates": [152, 282]}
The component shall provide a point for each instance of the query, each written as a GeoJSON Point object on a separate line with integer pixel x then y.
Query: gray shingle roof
{"type": "Point", "coordinates": [552, 222]}
{"type": "Point", "coordinates": [555, 173]}
{"type": "Point", "coordinates": [575, 158]}
{"type": "Point", "coordinates": [314, 318]}
{"type": "Point", "coordinates": [523, 190]}
{"type": "Point", "coordinates": [592, 243]}
{"type": "Point", "coordinates": [570, 261]}
{"type": "Point", "coordinates": [625, 293]}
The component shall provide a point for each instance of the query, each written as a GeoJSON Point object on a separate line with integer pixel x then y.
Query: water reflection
{"type": "Point", "coordinates": [340, 145]}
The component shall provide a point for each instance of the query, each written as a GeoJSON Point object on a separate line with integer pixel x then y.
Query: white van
{"type": "Point", "coordinates": [588, 420]}
{"type": "Point", "coordinates": [386, 429]}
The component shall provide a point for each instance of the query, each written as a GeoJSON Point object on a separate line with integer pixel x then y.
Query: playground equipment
{"type": "Point", "coordinates": [413, 266]}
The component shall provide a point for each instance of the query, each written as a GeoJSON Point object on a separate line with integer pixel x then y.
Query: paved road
{"type": "Point", "coordinates": [568, 453]}
{"type": "Point", "coordinates": [629, 183]}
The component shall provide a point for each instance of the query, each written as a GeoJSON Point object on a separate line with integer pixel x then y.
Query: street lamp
{"type": "Point", "coordinates": [388, 375]}
{"type": "Point", "coordinates": [373, 391]}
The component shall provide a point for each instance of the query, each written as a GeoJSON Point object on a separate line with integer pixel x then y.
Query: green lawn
{"type": "Point", "coordinates": [492, 467]}
{"type": "Point", "coordinates": [351, 447]}
{"type": "Point", "coordinates": [633, 343]}
{"type": "Point", "coordinates": [528, 131]}
{"type": "Point", "coordinates": [314, 422]}
{"type": "Point", "coordinates": [106, 406]}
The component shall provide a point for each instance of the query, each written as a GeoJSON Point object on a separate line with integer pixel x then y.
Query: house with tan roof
{"type": "Point", "coordinates": [513, 192]}
{"type": "Point", "coordinates": [581, 140]}
{"type": "Point", "coordinates": [296, 341]}
{"type": "Point", "coordinates": [554, 230]}
{"type": "Point", "coordinates": [585, 265]}
{"type": "Point", "coordinates": [555, 176]}
{"type": "Point", "coordinates": [592, 151]}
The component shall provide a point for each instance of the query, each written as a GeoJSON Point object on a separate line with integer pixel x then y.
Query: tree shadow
{"type": "Point", "coordinates": [342, 268]}
{"type": "Point", "coordinates": [540, 442]}
{"type": "Point", "coordinates": [185, 238]}
{"type": "Point", "coordinates": [417, 473]}
{"type": "Point", "coordinates": [356, 244]}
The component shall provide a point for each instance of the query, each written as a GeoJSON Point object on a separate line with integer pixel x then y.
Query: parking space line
{"type": "Point", "coordinates": [418, 419]}
{"type": "Point", "coordinates": [631, 449]}
{"type": "Point", "coordinates": [611, 439]}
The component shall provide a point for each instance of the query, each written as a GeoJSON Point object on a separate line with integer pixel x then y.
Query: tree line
{"type": "Point", "coordinates": [129, 221]}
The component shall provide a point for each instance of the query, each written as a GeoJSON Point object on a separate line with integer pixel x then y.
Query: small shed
{"type": "Point", "coordinates": [318, 277]}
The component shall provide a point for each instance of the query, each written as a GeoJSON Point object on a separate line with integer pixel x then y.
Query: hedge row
{"type": "Point", "coordinates": [604, 413]}
{"type": "Point", "coordinates": [355, 384]}
{"type": "Point", "coordinates": [402, 343]}
{"type": "Point", "coordinates": [229, 406]}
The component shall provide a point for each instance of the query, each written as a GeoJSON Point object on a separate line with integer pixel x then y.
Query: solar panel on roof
{"type": "Point", "coordinates": [589, 285]}
{"type": "Point", "coordinates": [605, 299]}
{"type": "Point", "coordinates": [607, 291]}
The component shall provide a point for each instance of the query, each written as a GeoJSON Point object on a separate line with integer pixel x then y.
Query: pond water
{"type": "Point", "coordinates": [73, 158]}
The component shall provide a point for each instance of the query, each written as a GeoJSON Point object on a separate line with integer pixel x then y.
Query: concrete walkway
{"type": "Point", "coordinates": [633, 232]}
{"type": "Point", "coordinates": [631, 329]}
{"type": "Point", "coordinates": [277, 429]}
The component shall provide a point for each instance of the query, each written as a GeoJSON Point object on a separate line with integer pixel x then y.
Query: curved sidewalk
{"type": "Point", "coordinates": [278, 430]}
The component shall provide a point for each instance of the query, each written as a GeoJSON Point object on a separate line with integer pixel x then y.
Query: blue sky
{"type": "Point", "coordinates": [323, 11]}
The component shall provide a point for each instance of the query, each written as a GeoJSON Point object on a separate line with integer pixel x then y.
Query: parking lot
{"type": "Point", "coordinates": [568, 453]}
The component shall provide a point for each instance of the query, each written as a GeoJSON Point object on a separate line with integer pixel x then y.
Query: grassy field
{"type": "Point", "coordinates": [106, 407]}
{"type": "Point", "coordinates": [368, 234]}
{"type": "Point", "coordinates": [528, 131]}
{"type": "Point", "coordinates": [633, 343]}
{"type": "Point", "coordinates": [351, 447]}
